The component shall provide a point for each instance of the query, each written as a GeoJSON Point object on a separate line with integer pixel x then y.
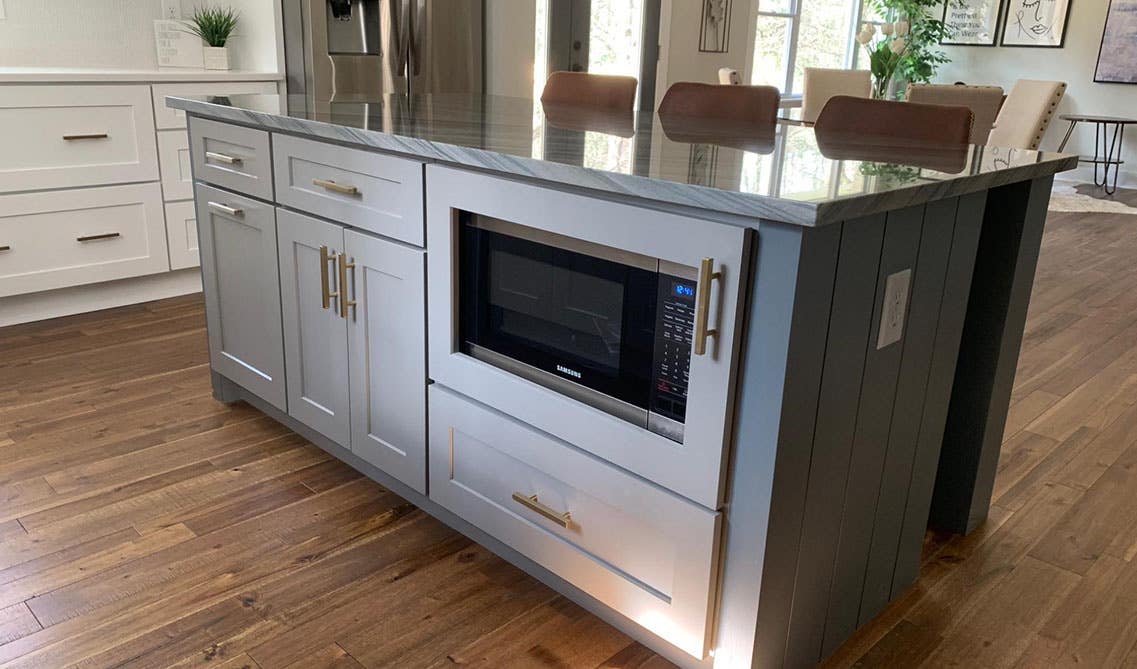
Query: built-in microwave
{"type": "Point", "coordinates": [610, 328]}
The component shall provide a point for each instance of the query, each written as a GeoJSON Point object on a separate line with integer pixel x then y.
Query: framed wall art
{"type": "Point", "coordinates": [1038, 23]}
{"type": "Point", "coordinates": [1117, 57]}
{"type": "Point", "coordinates": [972, 22]}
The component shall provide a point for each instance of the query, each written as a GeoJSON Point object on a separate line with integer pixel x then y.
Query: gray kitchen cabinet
{"type": "Point", "coordinates": [315, 330]}
{"type": "Point", "coordinates": [387, 356]}
{"type": "Point", "coordinates": [242, 291]}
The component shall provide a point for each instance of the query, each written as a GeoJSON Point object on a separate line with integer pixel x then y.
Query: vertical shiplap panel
{"type": "Point", "coordinates": [849, 328]}
{"type": "Point", "coordinates": [877, 395]}
{"type": "Point", "coordinates": [953, 307]}
{"type": "Point", "coordinates": [911, 386]}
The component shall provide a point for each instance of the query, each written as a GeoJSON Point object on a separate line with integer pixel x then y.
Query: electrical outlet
{"type": "Point", "coordinates": [894, 309]}
{"type": "Point", "coordinates": [171, 9]}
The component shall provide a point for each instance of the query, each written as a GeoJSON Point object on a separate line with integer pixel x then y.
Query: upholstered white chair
{"type": "Point", "coordinates": [983, 101]}
{"type": "Point", "coordinates": [1026, 113]}
{"type": "Point", "coordinates": [822, 84]}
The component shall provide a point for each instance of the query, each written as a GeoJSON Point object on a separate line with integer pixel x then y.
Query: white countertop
{"type": "Point", "coordinates": [31, 75]}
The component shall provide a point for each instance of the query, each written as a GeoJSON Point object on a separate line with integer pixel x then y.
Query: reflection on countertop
{"type": "Point", "coordinates": [787, 175]}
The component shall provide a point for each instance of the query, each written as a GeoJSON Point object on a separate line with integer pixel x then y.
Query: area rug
{"type": "Point", "coordinates": [1067, 198]}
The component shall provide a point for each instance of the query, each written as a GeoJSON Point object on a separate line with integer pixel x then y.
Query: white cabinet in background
{"type": "Point", "coordinates": [70, 136]}
{"type": "Point", "coordinates": [166, 118]}
{"type": "Point", "coordinates": [174, 159]}
{"type": "Point", "coordinates": [181, 235]}
{"type": "Point", "coordinates": [66, 238]}
{"type": "Point", "coordinates": [242, 291]}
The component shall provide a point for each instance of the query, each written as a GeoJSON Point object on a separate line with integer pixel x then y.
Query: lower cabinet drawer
{"type": "Point", "coordinates": [639, 549]}
{"type": "Point", "coordinates": [57, 239]}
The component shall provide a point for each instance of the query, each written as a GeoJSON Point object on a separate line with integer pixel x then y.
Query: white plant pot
{"type": "Point", "coordinates": [216, 57]}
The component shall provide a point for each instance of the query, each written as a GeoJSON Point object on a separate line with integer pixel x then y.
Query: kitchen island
{"type": "Point", "coordinates": [848, 320]}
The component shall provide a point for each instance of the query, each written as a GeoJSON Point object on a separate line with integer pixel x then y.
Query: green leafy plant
{"type": "Point", "coordinates": [907, 47]}
{"type": "Point", "coordinates": [214, 25]}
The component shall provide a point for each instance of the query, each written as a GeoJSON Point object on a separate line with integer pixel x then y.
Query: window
{"type": "Point", "coordinates": [791, 35]}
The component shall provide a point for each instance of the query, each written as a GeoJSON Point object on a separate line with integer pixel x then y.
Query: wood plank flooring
{"type": "Point", "coordinates": [143, 524]}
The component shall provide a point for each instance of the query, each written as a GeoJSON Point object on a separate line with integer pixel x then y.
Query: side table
{"type": "Point", "coordinates": [1102, 143]}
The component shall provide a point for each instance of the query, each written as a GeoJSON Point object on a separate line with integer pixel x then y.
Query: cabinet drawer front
{"type": "Point", "coordinates": [231, 156]}
{"type": "Point", "coordinates": [370, 191]}
{"type": "Point", "coordinates": [68, 136]}
{"type": "Point", "coordinates": [637, 548]}
{"type": "Point", "coordinates": [241, 283]}
{"type": "Point", "coordinates": [181, 235]}
{"type": "Point", "coordinates": [68, 238]}
{"type": "Point", "coordinates": [166, 118]}
{"type": "Point", "coordinates": [177, 169]}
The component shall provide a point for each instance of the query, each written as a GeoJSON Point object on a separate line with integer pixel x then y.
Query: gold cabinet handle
{"type": "Point", "coordinates": [533, 504]}
{"type": "Point", "coordinates": [345, 303]}
{"type": "Point", "coordinates": [703, 305]}
{"type": "Point", "coordinates": [327, 184]}
{"type": "Point", "coordinates": [89, 135]}
{"type": "Point", "coordinates": [326, 292]}
{"type": "Point", "coordinates": [226, 209]}
{"type": "Point", "coordinates": [223, 158]}
{"type": "Point", "coordinates": [95, 238]}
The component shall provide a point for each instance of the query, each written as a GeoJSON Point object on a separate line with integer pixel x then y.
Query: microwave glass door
{"type": "Point", "coordinates": [567, 310]}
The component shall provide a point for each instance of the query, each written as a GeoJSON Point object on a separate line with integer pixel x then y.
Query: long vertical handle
{"type": "Point", "coordinates": [400, 33]}
{"type": "Point", "coordinates": [326, 292]}
{"type": "Point", "coordinates": [418, 25]}
{"type": "Point", "coordinates": [346, 303]}
{"type": "Point", "coordinates": [703, 305]}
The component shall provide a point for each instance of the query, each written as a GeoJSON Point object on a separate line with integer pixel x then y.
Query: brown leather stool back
{"type": "Point", "coordinates": [598, 91]}
{"type": "Point", "coordinates": [898, 124]}
{"type": "Point", "coordinates": [737, 105]}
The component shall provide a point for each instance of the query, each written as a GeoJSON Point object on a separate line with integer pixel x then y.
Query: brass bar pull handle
{"type": "Point", "coordinates": [345, 303]}
{"type": "Point", "coordinates": [95, 238]}
{"type": "Point", "coordinates": [223, 158]}
{"type": "Point", "coordinates": [326, 292]}
{"type": "Point", "coordinates": [226, 209]}
{"type": "Point", "coordinates": [533, 504]}
{"type": "Point", "coordinates": [703, 305]}
{"type": "Point", "coordinates": [334, 187]}
{"type": "Point", "coordinates": [89, 135]}
{"type": "Point", "coordinates": [5, 248]}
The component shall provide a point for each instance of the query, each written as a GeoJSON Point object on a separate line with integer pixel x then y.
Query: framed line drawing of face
{"type": "Point", "coordinates": [1118, 52]}
{"type": "Point", "coordinates": [972, 22]}
{"type": "Point", "coordinates": [1037, 23]}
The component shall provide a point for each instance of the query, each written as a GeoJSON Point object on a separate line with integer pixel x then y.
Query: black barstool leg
{"type": "Point", "coordinates": [1118, 142]}
{"type": "Point", "coordinates": [1099, 134]}
{"type": "Point", "coordinates": [1069, 131]}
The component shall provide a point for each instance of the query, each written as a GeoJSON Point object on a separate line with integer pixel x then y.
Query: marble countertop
{"type": "Point", "coordinates": [792, 175]}
{"type": "Point", "coordinates": [107, 75]}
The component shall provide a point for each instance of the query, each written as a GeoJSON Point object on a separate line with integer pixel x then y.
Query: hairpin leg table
{"type": "Point", "coordinates": [1107, 149]}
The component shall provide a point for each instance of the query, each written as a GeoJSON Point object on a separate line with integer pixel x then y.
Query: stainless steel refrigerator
{"type": "Point", "coordinates": [351, 49]}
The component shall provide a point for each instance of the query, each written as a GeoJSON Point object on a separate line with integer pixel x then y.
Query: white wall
{"type": "Point", "coordinates": [1073, 64]}
{"type": "Point", "coordinates": [120, 33]}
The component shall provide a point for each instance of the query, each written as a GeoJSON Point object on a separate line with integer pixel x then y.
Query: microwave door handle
{"type": "Point", "coordinates": [707, 274]}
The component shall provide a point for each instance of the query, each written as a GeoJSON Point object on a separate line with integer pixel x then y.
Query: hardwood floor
{"type": "Point", "coordinates": [143, 524]}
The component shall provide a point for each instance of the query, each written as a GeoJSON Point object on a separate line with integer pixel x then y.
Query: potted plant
{"type": "Point", "coordinates": [905, 49]}
{"type": "Point", "coordinates": [214, 25]}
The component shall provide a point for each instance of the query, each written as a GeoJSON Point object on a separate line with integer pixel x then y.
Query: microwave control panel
{"type": "Point", "coordinates": [675, 314]}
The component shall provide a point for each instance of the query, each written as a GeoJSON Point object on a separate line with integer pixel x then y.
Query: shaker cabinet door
{"type": "Point", "coordinates": [315, 330]}
{"type": "Point", "coordinates": [387, 345]}
{"type": "Point", "coordinates": [242, 291]}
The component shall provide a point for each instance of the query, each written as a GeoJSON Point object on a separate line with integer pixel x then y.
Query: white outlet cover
{"type": "Point", "coordinates": [894, 309]}
{"type": "Point", "coordinates": [171, 9]}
